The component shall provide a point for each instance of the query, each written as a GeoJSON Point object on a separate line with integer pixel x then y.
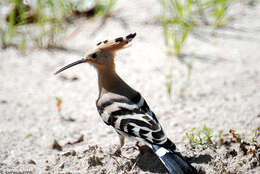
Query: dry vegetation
{"type": "Point", "coordinates": [38, 29]}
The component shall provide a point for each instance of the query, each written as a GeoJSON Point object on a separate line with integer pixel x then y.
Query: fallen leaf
{"type": "Point", "coordinates": [56, 145]}
{"type": "Point", "coordinates": [81, 138]}
{"type": "Point", "coordinates": [32, 162]}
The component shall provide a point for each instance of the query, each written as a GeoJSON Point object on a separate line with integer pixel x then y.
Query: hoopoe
{"type": "Point", "coordinates": [123, 108]}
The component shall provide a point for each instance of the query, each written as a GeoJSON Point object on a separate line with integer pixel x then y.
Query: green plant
{"type": "Point", "coordinates": [187, 82]}
{"type": "Point", "coordinates": [169, 81]}
{"type": "Point", "coordinates": [252, 2]}
{"type": "Point", "coordinates": [219, 10]}
{"type": "Point", "coordinates": [52, 23]}
{"type": "Point", "coordinates": [199, 137]}
{"type": "Point", "coordinates": [22, 45]}
{"type": "Point", "coordinates": [58, 103]}
{"type": "Point", "coordinates": [47, 18]}
{"type": "Point", "coordinates": [104, 7]}
{"type": "Point", "coordinates": [177, 22]}
{"type": "Point", "coordinates": [16, 17]}
{"type": "Point", "coordinates": [179, 18]}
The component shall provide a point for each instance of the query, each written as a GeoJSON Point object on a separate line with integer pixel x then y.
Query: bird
{"type": "Point", "coordinates": [124, 108]}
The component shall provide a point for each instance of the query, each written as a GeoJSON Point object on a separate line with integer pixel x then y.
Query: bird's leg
{"type": "Point", "coordinates": [137, 144]}
{"type": "Point", "coordinates": [122, 142]}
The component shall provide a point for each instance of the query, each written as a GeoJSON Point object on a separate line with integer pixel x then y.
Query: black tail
{"type": "Point", "coordinates": [173, 161]}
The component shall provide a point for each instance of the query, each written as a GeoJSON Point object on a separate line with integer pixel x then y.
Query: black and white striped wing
{"type": "Point", "coordinates": [133, 117]}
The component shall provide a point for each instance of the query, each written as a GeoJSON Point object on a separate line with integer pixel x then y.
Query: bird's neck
{"type": "Point", "coordinates": [106, 79]}
{"type": "Point", "coordinates": [109, 81]}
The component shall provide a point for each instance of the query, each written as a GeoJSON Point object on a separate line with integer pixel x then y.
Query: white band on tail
{"type": "Point", "coordinates": [161, 152]}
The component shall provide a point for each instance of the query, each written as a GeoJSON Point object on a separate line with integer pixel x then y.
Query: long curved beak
{"type": "Point", "coordinates": [70, 65]}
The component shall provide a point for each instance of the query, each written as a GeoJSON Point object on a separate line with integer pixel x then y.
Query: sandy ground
{"type": "Point", "coordinates": [223, 94]}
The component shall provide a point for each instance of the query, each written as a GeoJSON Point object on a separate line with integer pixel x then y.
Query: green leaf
{"type": "Point", "coordinates": [58, 99]}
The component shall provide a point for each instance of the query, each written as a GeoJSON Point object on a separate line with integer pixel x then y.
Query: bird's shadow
{"type": "Point", "coordinates": [205, 158]}
{"type": "Point", "coordinates": [148, 161]}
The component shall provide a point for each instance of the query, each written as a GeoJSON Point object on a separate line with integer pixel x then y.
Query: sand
{"type": "Point", "coordinates": [222, 93]}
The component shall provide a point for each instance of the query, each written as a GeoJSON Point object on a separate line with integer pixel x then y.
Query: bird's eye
{"type": "Point", "coordinates": [94, 55]}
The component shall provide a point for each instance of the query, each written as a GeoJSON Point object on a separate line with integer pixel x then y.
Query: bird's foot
{"type": "Point", "coordinates": [138, 144]}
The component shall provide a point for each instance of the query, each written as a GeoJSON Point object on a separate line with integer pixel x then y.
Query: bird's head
{"type": "Point", "coordinates": [102, 55]}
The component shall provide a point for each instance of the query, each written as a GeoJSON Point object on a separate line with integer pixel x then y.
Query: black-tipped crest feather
{"type": "Point", "coordinates": [130, 36]}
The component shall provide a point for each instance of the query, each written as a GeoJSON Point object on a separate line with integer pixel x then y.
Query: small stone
{"type": "Point", "coordinates": [17, 162]}
{"type": "Point", "coordinates": [73, 152]}
{"type": "Point", "coordinates": [233, 152]}
{"type": "Point", "coordinates": [253, 163]}
{"type": "Point", "coordinates": [32, 162]}
{"type": "Point", "coordinates": [47, 168]}
{"type": "Point", "coordinates": [67, 153]}
{"type": "Point", "coordinates": [62, 166]}
{"type": "Point", "coordinates": [58, 159]}
{"type": "Point", "coordinates": [3, 101]}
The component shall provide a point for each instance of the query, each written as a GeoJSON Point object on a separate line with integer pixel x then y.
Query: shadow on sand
{"type": "Point", "coordinates": [148, 161]}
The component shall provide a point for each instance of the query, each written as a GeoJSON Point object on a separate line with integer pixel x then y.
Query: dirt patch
{"type": "Point", "coordinates": [223, 93]}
